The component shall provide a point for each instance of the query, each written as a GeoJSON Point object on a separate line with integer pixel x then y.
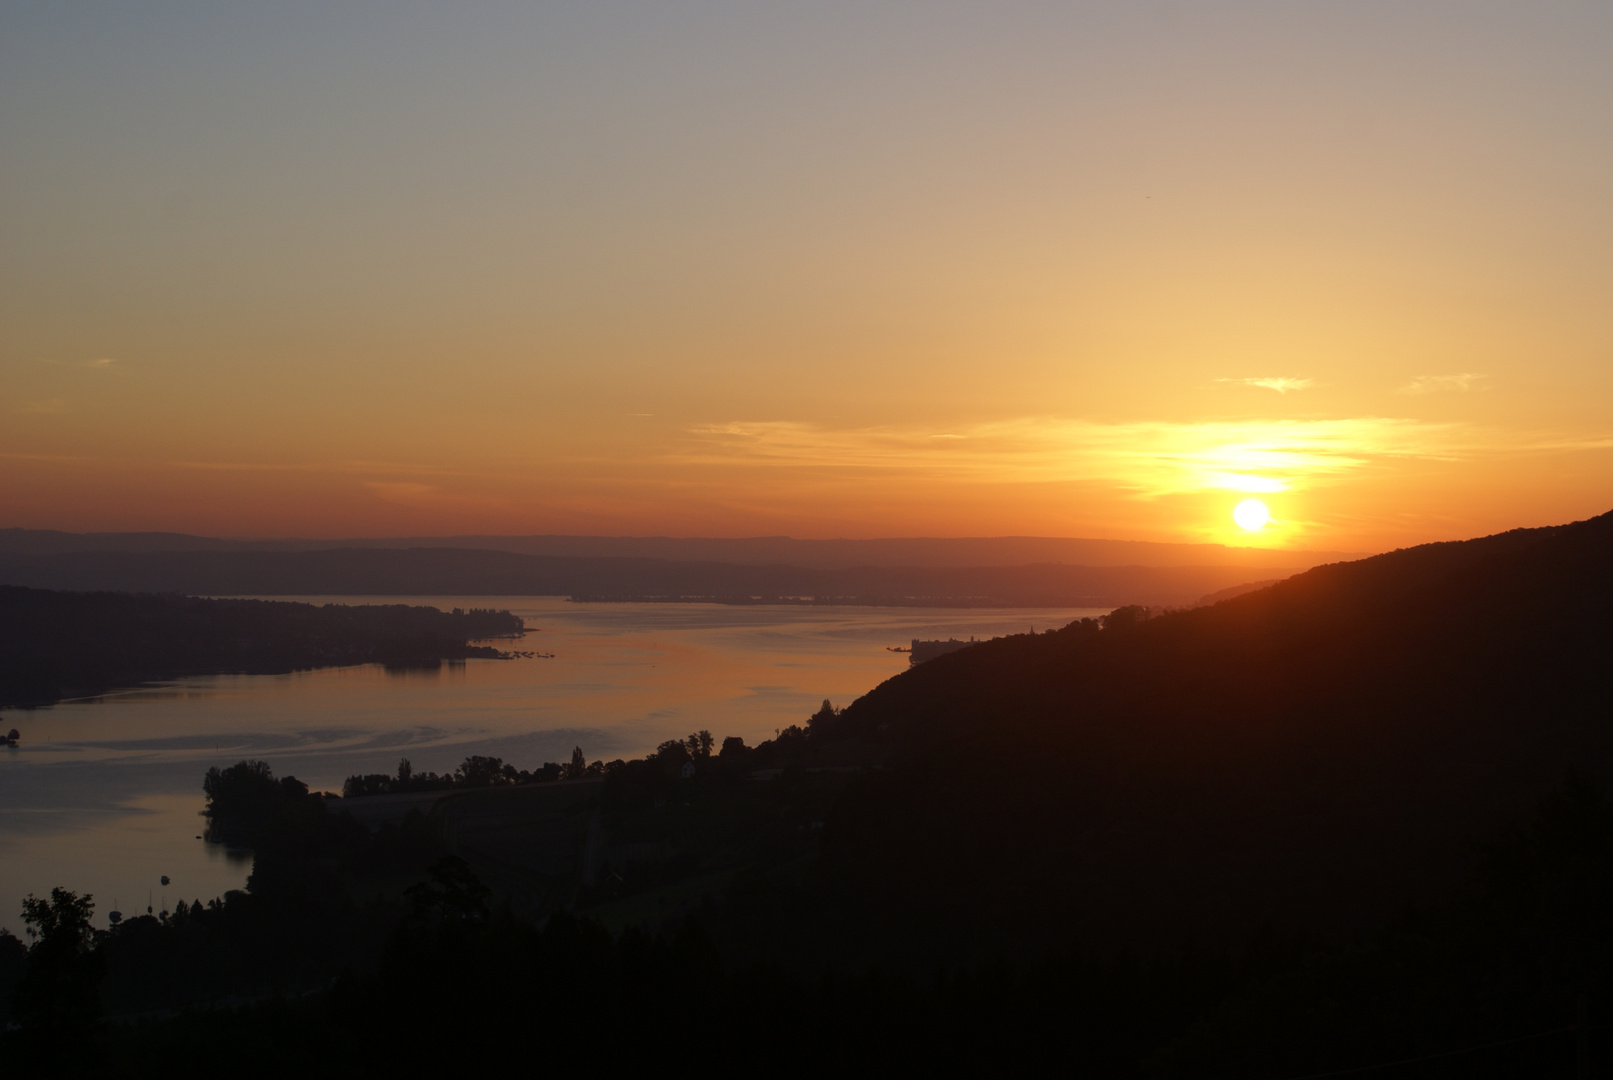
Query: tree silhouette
{"type": "Point", "coordinates": [479, 771]}
{"type": "Point", "coordinates": [451, 893]}
{"type": "Point", "coordinates": [57, 999]}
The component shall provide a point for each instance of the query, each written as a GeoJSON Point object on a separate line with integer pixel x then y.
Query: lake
{"type": "Point", "coordinates": [103, 795]}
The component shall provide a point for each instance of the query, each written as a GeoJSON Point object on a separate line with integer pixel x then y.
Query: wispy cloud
{"type": "Point", "coordinates": [9, 456]}
{"type": "Point", "coordinates": [1283, 384]}
{"type": "Point", "coordinates": [352, 468]}
{"type": "Point", "coordinates": [251, 466]}
{"type": "Point", "coordinates": [428, 496]}
{"type": "Point", "coordinates": [1149, 459]}
{"type": "Point", "coordinates": [101, 362]}
{"type": "Point", "coordinates": [403, 492]}
{"type": "Point", "coordinates": [1440, 384]}
{"type": "Point", "coordinates": [48, 407]}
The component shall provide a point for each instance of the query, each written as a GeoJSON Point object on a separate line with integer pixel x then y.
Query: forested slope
{"type": "Point", "coordinates": [1312, 755]}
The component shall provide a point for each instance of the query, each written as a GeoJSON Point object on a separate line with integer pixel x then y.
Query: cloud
{"type": "Point", "coordinates": [49, 407]}
{"type": "Point", "coordinates": [1149, 459]}
{"type": "Point", "coordinates": [429, 496]}
{"type": "Point", "coordinates": [404, 493]}
{"type": "Point", "coordinates": [1281, 383]}
{"type": "Point", "coordinates": [103, 363]}
{"type": "Point", "coordinates": [1439, 384]}
{"type": "Point", "coordinates": [6, 456]}
{"type": "Point", "coordinates": [350, 468]}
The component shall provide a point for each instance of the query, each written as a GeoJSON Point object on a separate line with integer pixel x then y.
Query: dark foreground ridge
{"type": "Point", "coordinates": [57, 645]}
{"type": "Point", "coordinates": [1312, 756]}
{"type": "Point", "coordinates": [1355, 819]}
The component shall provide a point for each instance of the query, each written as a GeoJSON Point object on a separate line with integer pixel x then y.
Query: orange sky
{"type": "Point", "coordinates": [714, 270]}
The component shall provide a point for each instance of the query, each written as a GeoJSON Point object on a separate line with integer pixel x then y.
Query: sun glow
{"type": "Point", "coordinates": [1251, 514]}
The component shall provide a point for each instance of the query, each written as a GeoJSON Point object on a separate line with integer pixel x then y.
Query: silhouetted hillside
{"type": "Point", "coordinates": [455, 572]}
{"type": "Point", "coordinates": [56, 645]}
{"type": "Point", "coordinates": [1312, 755]}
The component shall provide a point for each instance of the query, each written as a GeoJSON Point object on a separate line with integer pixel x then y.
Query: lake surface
{"type": "Point", "coordinates": [104, 795]}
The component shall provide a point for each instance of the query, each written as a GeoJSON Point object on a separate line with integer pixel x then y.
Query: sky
{"type": "Point", "coordinates": [821, 270]}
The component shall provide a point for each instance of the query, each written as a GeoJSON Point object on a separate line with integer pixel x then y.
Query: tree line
{"type": "Point", "coordinates": [1512, 977]}
{"type": "Point", "coordinates": [699, 748]}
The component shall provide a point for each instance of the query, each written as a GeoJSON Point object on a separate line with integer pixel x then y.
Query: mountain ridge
{"type": "Point", "coordinates": [757, 550]}
{"type": "Point", "coordinates": [458, 572]}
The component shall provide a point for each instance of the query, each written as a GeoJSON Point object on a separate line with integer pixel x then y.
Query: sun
{"type": "Point", "coordinates": [1251, 514]}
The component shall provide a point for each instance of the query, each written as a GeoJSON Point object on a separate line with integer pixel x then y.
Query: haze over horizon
{"type": "Point", "coordinates": [725, 271]}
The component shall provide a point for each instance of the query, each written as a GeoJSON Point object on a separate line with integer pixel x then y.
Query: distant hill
{"type": "Point", "coordinates": [1313, 756]}
{"type": "Point", "coordinates": [741, 551]}
{"type": "Point", "coordinates": [56, 645]}
{"type": "Point", "coordinates": [1236, 590]}
{"type": "Point", "coordinates": [460, 572]}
